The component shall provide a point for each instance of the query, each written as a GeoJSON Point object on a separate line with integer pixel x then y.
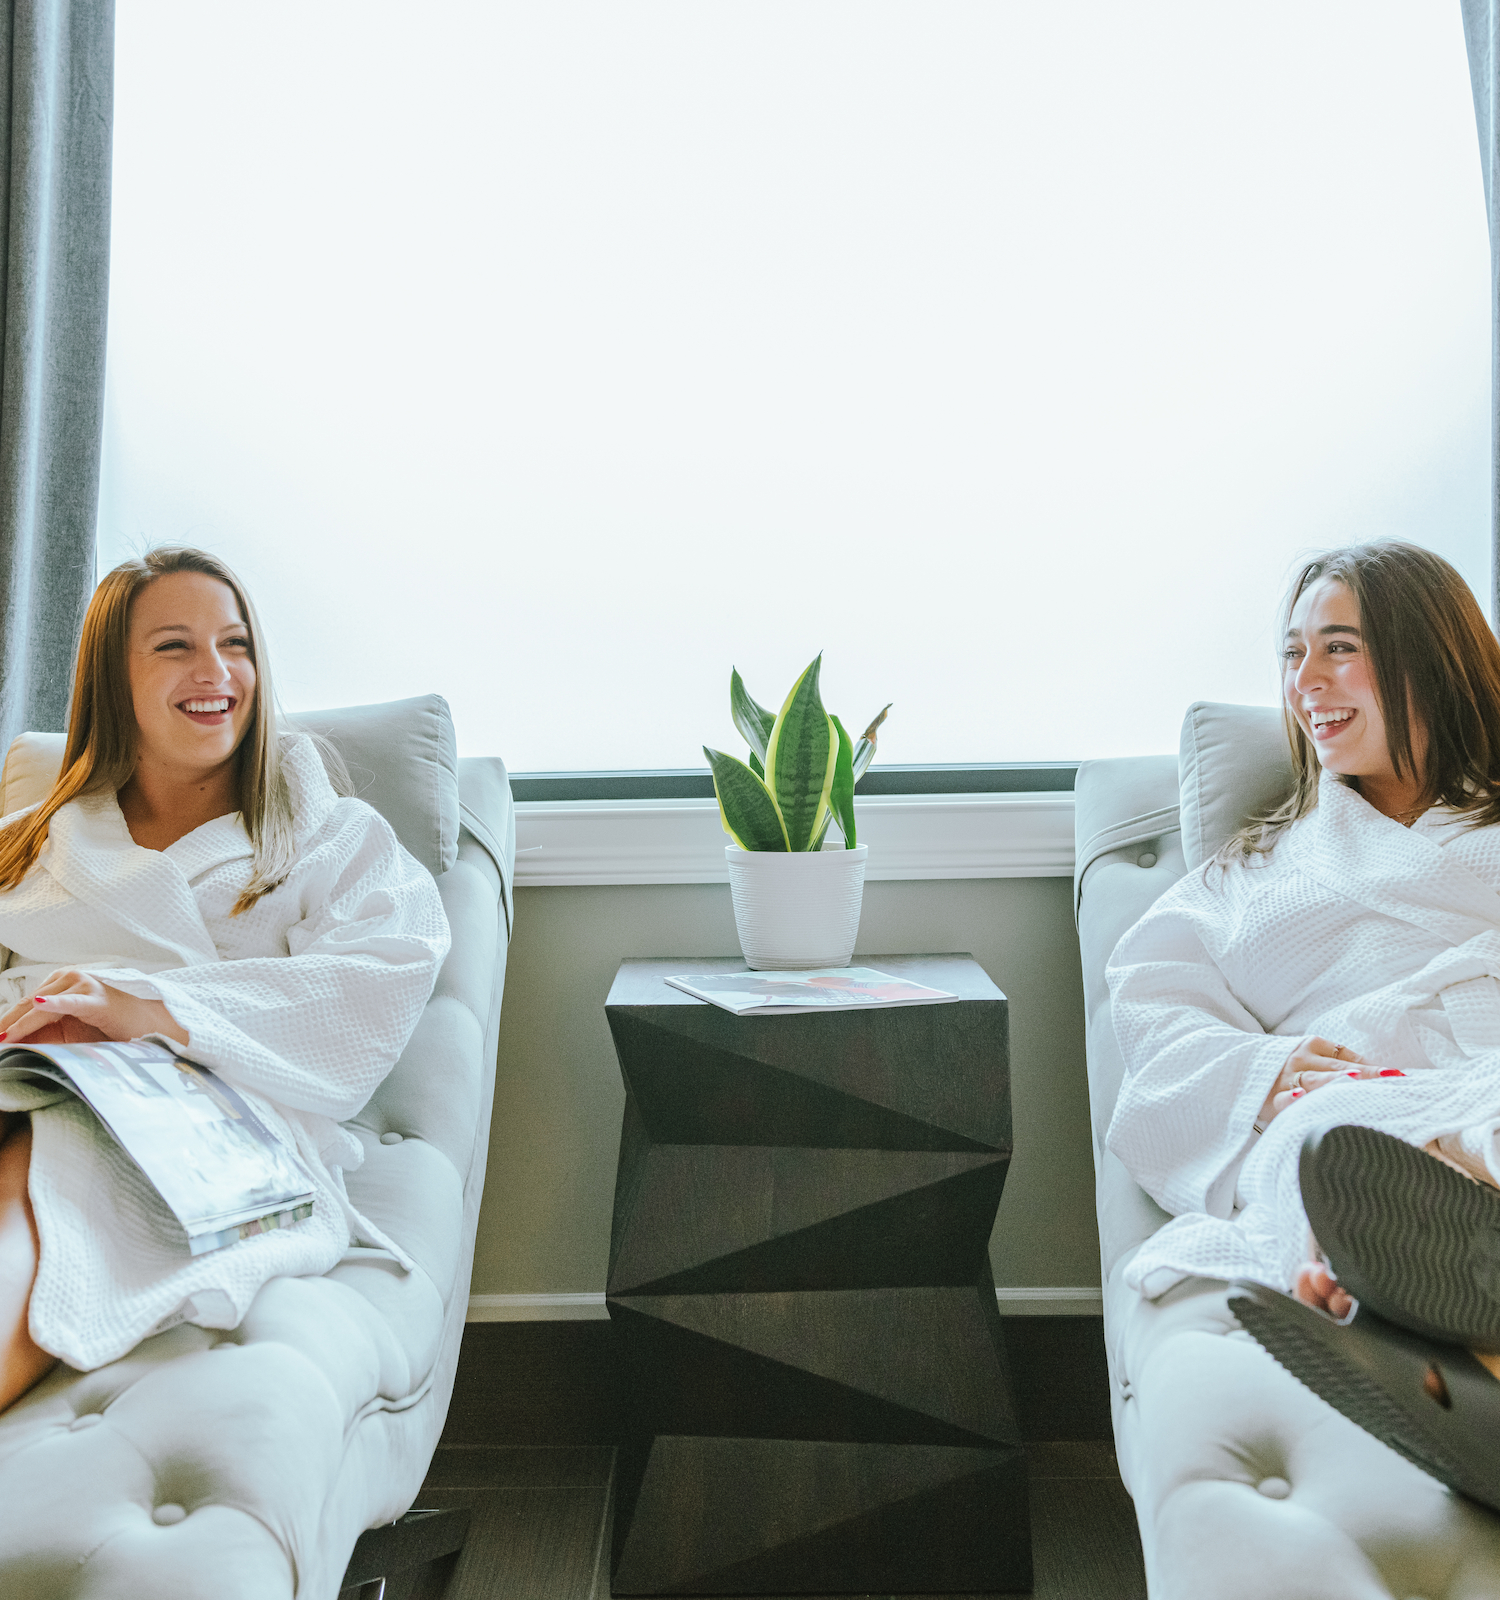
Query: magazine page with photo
{"type": "Point", "coordinates": [219, 1169]}
{"type": "Point", "coordinates": [821, 989]}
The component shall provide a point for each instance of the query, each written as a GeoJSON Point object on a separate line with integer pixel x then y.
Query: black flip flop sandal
{"type": "Point", "coordinates": [1433, 1403]}
{"type": "Point", "coordinates": [1405, 1234]}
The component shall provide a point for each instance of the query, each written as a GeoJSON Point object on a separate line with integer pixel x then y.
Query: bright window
{"type": "Point", "coordinates": [557, 356]}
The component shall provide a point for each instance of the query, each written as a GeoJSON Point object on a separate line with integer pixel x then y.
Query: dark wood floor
{"type": "Point", "coordinates": [539, 1522]}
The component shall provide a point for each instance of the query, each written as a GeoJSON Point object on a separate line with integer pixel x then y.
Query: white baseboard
{"type": "Point", "coordinates": [1030, 1302]}
{"type": "Point", "coordinates": [537, 1308]}
{"type": "Point", "coordinates": [1022, 1302]}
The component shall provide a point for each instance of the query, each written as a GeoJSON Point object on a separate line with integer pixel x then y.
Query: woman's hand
{"type": "Point", "coordinates": [72, 1007]}
{"type": "Point", "coordinates": [1312, 1064]}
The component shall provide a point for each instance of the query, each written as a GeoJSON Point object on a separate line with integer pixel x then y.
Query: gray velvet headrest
{"type": "Point", "coordinates": [1233, 764]}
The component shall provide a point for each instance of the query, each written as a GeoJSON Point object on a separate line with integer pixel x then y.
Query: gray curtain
{"type": "Point", "coordinates": [1481, 20]}
{"type": "Point", "coordinates": [56, 103]}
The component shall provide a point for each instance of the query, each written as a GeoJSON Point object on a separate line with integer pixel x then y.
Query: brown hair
{"type": "Point", "coordinates": [1436, 663]}
{"type": "Point", "coordinates": [100, 754]}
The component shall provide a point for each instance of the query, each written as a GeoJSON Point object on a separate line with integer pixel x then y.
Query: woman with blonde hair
{"type": "Point", "coordinates": [192, 877]}
{"type": "Point", "coordinates": [1311, 1022]}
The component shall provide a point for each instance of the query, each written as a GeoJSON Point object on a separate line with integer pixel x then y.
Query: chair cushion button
{"type": "Point", "coordinates": [1145, 859]}
{"type": "Point", "coordinates": [87, 1420]}
{"type": "Point", "coordinates": [1274, 1488]}
{"type": "Point", "coordinates": [392, 1138]}
{"type": "Point", "coordinates": [166, 1516]}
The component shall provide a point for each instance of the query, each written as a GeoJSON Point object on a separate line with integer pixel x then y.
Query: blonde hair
{"type": "Point", "coordinates": [1436, 664]}
{"type": "Point", "coordinates": [100, 754]}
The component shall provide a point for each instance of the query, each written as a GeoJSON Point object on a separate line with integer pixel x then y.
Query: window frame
{"type": "Point", "coordinates": [696, 783]}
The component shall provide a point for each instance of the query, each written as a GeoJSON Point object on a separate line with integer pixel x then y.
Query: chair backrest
{"type": "Point", "coordinates": [402, 758]}
{"type": "Point", "coordinates": [1233, 764]}
{"type": "Point", "coordinates": [1142, 821]}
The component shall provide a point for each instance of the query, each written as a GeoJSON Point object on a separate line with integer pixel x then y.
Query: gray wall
{"type": "Point", "coordinates": [544, 1227]}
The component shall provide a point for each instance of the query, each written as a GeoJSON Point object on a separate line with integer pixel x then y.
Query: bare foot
{"type": "Point", "coordinates": [1317, 1287]}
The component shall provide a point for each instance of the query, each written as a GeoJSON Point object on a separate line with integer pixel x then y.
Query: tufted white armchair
{"type": "Point", "coordinates": [1246, 1485]}
{"type": "Point", "coordinates": [246, 1464]}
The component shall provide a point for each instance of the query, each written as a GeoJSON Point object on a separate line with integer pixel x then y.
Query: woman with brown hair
{"type": "Point", "coordinates": [1337, 965]}
{"type": "Point", "coordinates": [193, 877]}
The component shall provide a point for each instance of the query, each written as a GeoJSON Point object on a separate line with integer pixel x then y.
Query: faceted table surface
{"type": "Point", "coordinates": [800, 1288]}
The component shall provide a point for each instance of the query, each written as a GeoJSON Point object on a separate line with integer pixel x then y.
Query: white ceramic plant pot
{"type": "Point", "coordinates": [796, 909]}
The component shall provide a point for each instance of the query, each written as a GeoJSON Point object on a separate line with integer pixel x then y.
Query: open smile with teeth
{"type": "Point", "coordinates": [1331, 720]}
{"type": "Point", "coordinates": [218, 706]}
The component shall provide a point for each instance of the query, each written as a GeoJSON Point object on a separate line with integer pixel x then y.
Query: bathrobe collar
{"type": "Point", "coordinates": [90, 854]}
{"type": "Point", "coordinates": [313, 796]}
{"type": "Point", "coordinates": [216, 842]}
{"type": "Point", "coordinates": [1407, 873]}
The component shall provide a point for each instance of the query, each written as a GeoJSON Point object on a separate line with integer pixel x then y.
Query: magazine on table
{"type": "Point", "coordinates": [823, 989]}
{"type": "Point", "coordinates": [222, 1173]}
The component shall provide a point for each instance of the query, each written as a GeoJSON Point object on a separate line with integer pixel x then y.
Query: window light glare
{"type": "Point", "coordinates": [557, 357]}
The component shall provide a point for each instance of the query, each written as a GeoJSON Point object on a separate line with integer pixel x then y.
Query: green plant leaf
{"type": "Point", "coordinates": [841, 795]}
{"type": "Point", "coordinates": [800, 756]}
{"type": "Point", "coordinates": [746, 808]}
{"type": "Point", "coordinates": [864, 751]}
{"type": "Point", "coordinates": [751, 718]}
{"type": "Point", "coordinates": [755, 765]}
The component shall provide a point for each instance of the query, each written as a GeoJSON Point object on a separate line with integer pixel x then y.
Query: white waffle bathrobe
{"type": "Point", "coordinates": [1372, 935]}
{"type": "Point", "coordinates": [303, 1003]}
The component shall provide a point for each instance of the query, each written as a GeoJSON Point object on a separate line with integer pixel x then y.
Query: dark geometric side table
{"type": "Point", "coordinates": [817, 1397]}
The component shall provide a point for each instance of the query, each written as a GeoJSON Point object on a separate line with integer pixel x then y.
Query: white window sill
{"type": "Point", "coordinates": [681, 841]}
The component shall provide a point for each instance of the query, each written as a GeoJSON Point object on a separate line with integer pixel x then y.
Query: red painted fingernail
{"type": "Point", "coordinates": [1391, 1072]}
{"type": "Point", "coordinates": [1296, 1092]}
{"type": "Point", "coordinates": [4, 1035]}
{"type": "Point", "coordinates": [1351, 1074]}
{"type": "Point", "coordinates": [38, 999]}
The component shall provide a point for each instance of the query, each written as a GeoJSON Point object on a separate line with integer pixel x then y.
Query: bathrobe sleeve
{"type": "Point", "coordinates": [318, 1028]}
{"type": "Point", "coordinates": [1198, 1065]}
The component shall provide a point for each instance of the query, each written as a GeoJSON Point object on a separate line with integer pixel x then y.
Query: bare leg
{"type": "Point", "coordinates": [22, 1361]}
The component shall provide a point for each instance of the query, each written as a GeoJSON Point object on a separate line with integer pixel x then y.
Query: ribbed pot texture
{"type": "Point", "coordinates": [796, 909]}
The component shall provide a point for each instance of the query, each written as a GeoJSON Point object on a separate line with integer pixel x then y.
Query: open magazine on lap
{"type": "Point", "coordinates": [219, 1169]}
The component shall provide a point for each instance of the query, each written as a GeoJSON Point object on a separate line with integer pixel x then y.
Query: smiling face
{"type": "Point", "coordinates": [192, 679]}
{"type": "Point", "coordinates": [1329, 684]}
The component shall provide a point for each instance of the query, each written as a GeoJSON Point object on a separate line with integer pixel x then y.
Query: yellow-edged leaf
{"type": "Point", "coordinates": [800, 757]}
{"type": "Point", "coordinates": [746, 808]}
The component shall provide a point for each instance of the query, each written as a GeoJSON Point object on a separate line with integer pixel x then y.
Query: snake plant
{"type": "Point", "coordinates": [801, 774]}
